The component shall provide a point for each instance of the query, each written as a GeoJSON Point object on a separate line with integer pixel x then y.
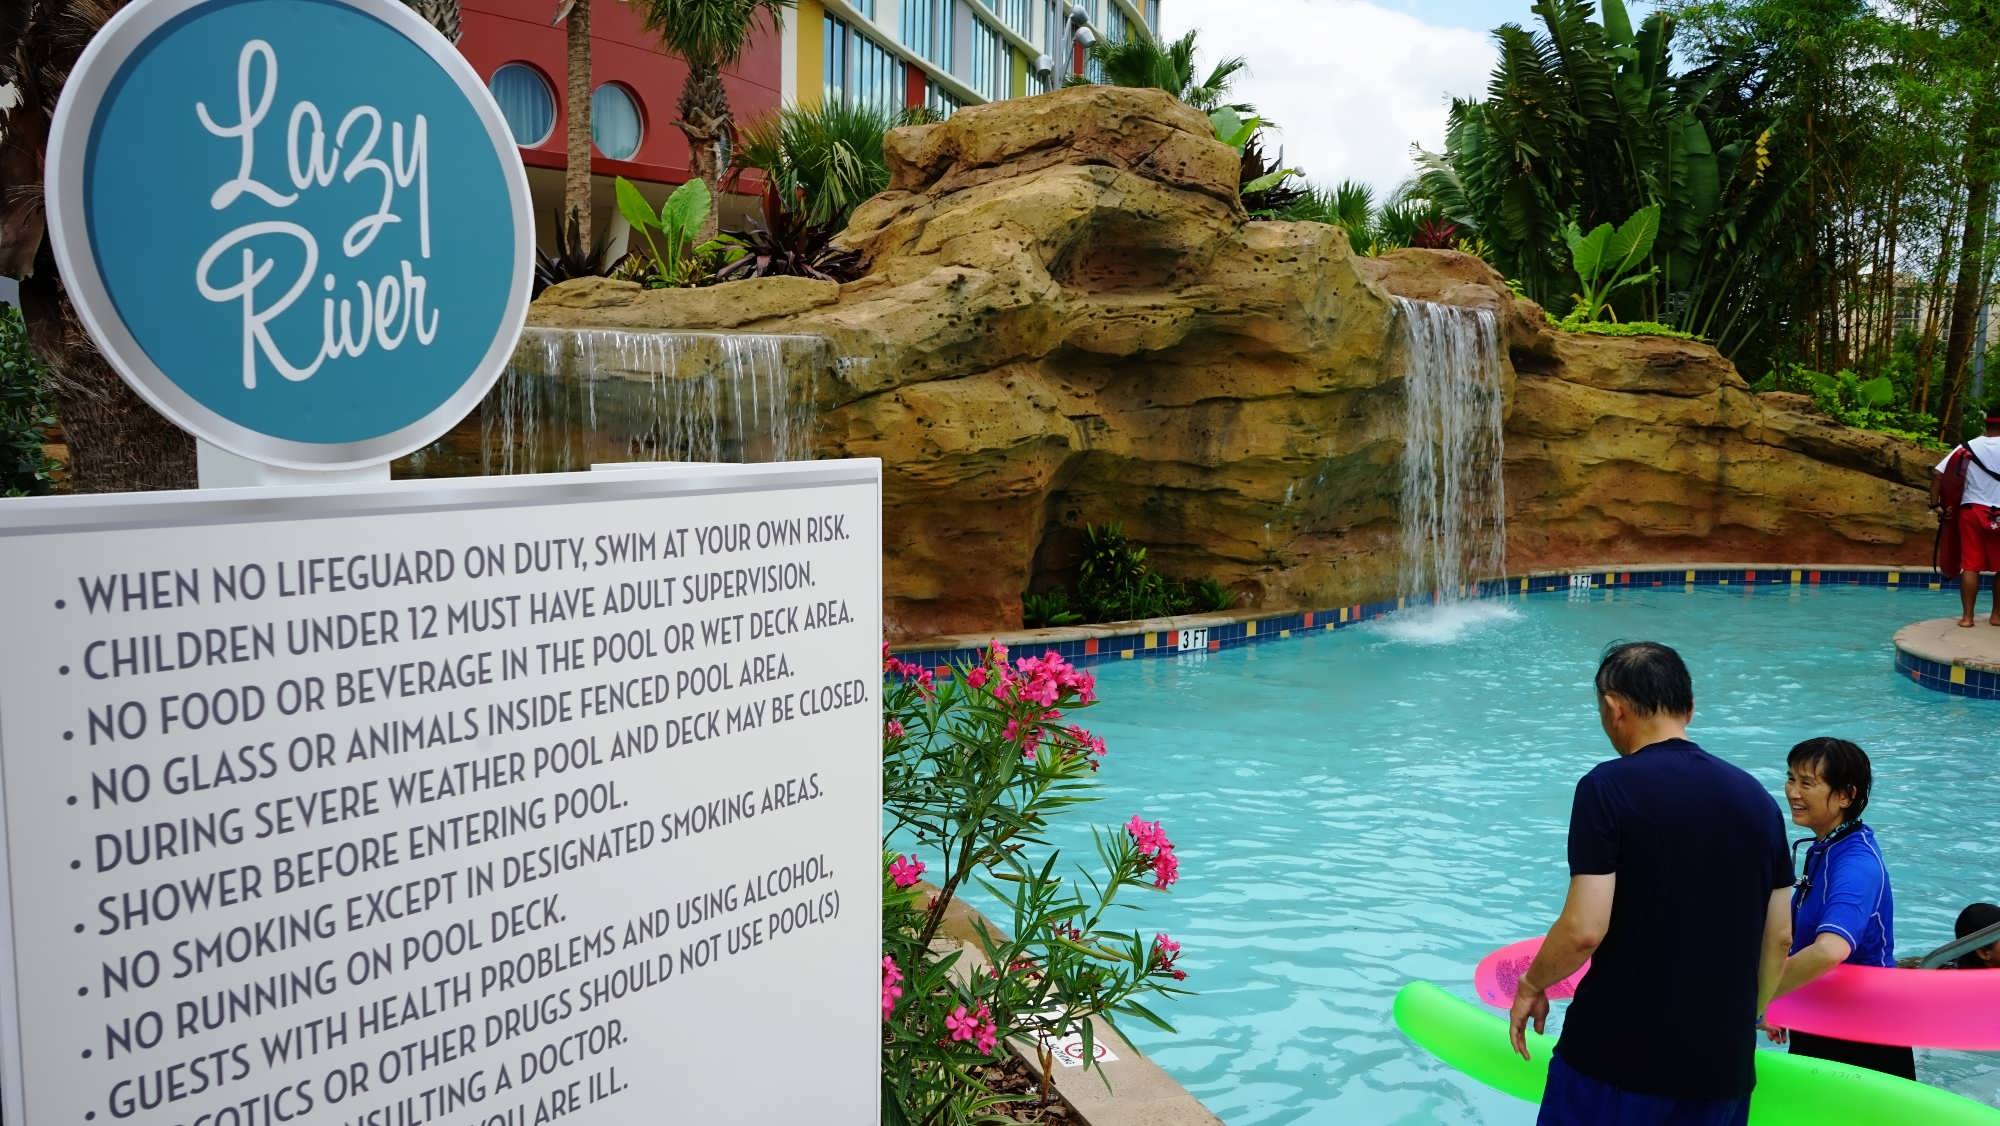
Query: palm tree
{"type": "Point", "coordinates": [440, 14]}
{"type": "Point", "coordinates": [1142, 63]}
{"type": "Point", "coordinates": [574, 15]}
{"type": "Point", "coordinates": [709, 35]}
{"type": "Point", "coordinates": [116, 442]}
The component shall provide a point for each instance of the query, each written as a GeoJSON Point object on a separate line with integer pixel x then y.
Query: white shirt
{"type": "Point", "coordinates": [1980, 488]}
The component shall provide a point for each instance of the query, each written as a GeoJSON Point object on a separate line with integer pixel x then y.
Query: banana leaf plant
{"type": "Point", "coordinates": [1608, 260]}
{"type": "Point", "coordinates": [677, 258]}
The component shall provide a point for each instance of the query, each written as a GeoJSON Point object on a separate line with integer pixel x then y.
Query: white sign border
{"type": "Point", "coordinates": [69, 237]}
{"type": "Point", "coordinates": [31, 516]}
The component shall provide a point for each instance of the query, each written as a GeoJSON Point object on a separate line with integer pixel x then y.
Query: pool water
{"type": "Point", "coordinates": [1360, 809]}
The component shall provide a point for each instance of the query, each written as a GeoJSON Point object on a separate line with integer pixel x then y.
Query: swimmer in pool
{"type": "Point", "coordinates": [1978, 917]}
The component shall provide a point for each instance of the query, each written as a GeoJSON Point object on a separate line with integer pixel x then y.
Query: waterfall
{"type": "Point", "coordinates": [1453, 505]}
{"type": "Point", "coordinates": [572, 397]}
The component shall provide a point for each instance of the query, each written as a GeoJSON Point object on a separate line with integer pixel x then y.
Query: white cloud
{"type": "Point", "coordinates": [1351, 84]}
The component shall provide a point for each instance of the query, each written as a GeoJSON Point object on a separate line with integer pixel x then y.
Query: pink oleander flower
{"type": "Point", "coordinates": [1166, 868]}
{"type": "Point", "coordinates": [1147, 835]}
{"type": "Point", "coordinates": [961, 1025]}
{"type": "Point", "coordinates": [997, 651]}
{"type": "Point", "coordinates": [988, 1033]}
{"type": "Point", "coordinates": [891, 985]}
{"type": "Point", "coordinates": [1011, 732]}
{"type": "Point", "coordinates": [893, 729]}
{"type": "Point", "coordinates": [976, 677]}
{"type": "Point", "coordinates": [1168, 947]}
{"type": "Point", "coordinates": [906, 871]}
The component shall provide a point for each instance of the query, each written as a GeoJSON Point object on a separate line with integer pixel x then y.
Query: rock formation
{"type": "Point", "coordinates": [1069, 319]}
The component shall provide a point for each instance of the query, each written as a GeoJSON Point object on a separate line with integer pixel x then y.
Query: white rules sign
{"type": "Point", "coordinates": [507, 802]}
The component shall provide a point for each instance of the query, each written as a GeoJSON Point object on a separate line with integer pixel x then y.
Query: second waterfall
{"type": "Point", "coordinates": [1453, 505]}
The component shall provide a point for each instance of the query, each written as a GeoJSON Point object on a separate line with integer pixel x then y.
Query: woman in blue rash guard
{"type": "Point", "coordinates": [1842, 909]}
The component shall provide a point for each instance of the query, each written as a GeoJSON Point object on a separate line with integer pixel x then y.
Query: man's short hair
{"type": "Point", "coordinates": [1841, 765]}
{"type": "Point", "coordinates": [1648, 675]}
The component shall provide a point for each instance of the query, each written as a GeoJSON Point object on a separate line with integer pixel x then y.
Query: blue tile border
{"type": "Point", "coordinates": [1163, 638]}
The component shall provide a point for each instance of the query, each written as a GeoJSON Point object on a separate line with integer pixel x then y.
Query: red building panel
{"type": "Point", "coordinates": [497, 32]}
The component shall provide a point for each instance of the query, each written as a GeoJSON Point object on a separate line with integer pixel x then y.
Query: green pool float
{"type": "Point", "coordinates": [1791, 1090]}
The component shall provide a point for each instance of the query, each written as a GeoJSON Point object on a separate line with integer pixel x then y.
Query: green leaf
{"type": "Point", "coordinates": [1587, 254]}
{"type": "Point", "coordinates": [684, 211]}
{"type": "Point", "coordinates": [1877, 392]}
{"type": "Point", "coordinates": [1269, 180]}
{"type": "Point", "coordinates": [633, 206]}
{"type": "Point", "coordinates": [1633, 241]}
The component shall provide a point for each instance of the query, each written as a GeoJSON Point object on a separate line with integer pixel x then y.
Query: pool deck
{"type": "Point", "coordinates": [1938, 654]}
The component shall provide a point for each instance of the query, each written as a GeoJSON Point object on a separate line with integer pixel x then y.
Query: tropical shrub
{"type": "Point", "coordinates": [571, 259]}
{"type": "Point", "coordinates": [1115, 583]}
{"type": "Point", "coordinates": [1211, 596]}
{"type": "Point", "coordinates": [25, 414]}
{"type": "Point", "coordinates": [1606, 261]}
{"type": "Point", "coordinates": [1141, 63]}
{"type": "Point", "coordinates": [1865, 404]}
{"type": "Point", "coordinates": [787, 244]}
{"type": "Point", "coordinates": [821, 161]}
{"type": "Point", "coordinates": [1049, 608]}
{"type": "Point", "coordinates": [975, 764]}
{"type": "Point", "coordinates": [674, 258]}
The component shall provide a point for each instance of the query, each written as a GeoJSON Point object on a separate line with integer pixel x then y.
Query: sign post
{"type": "Point", "coordinates": [500, 801]}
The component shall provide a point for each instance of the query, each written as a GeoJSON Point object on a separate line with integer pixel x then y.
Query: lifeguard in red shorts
{"type": "Point", "coordinates": [1965, 491]}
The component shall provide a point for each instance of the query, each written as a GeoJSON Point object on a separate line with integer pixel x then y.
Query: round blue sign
{"type": "Point", "coordinates": [299, 228]}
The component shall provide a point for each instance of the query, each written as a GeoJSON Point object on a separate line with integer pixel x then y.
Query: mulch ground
{"type": "Point", "coordinates": [1015, 1077]}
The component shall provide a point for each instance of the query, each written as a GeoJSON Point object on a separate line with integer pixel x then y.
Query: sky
{"type": "Point", "coordinates": [1352, 84]}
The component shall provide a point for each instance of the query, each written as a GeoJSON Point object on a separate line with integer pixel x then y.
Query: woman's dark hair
{"type": "Point", "coordinates": [1842, 765]}
{"type": "Point", "coordinates": [1648, 675]}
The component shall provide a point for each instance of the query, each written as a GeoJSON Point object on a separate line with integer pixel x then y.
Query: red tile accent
{"type": "Point", "coordinates": [1750, 576]}
{"type": "Point", "coordinates": [1090, 646]}
{"type": "Point", "coordinates": [1215, 646]}
{"type": "Point", "coordinates": [1812, 577]}
{"type": "Point", "coordinates": [1916, 677]}
{"type": "Point", "coordinates": [1173, 639]}
{"type": "Point", "coordinates": [943, 672]}
{"type": "Point", "coordinates": [1625, 577]}
{"type": "Point", "coordinates": [1309, 619]}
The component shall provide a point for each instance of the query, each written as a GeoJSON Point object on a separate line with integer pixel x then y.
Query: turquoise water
{"type": "Point", "coordinates": [1359, 809]}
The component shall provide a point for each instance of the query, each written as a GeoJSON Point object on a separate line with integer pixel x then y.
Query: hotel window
{"type": "Point", "coordinates": [1014, 14]}
{"type": "Point", "coordinates": [940, 100]}
{"type": "Point", "coordinates": [992, 67]}
{"type": "Point", "coordinates": [860, 71]}
{"type": "Point", "coordinates": [614, 121]}
{"type": "Point", "coordinates": [526, 101]}
{"type": "Point", "coordinates": [1153, 15]}
{"type": "Point", "coordinates": [865, 7]}
{"type": "Point", "coordinates": [927, 29]}
{"type": "Point", "coordinates": [1114, 22]}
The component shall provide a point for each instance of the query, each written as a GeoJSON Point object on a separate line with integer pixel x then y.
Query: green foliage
{"type": "Point", "coordinates": [710, 33]}
{"type": "Point", "coordinates": [1115, 583]}
{"type": "Point", "coordinates": [975, 766]}
{"type": "Point", "coordinates": [821, 161]}
{"type": "Point", "coordinates": [1049, 608]}
{"type": "Point", "coordinates": [1210, 596]}
{"type": "Point", "coordinates": [1584, 124]}
{"type": "Point", "coordinates": [1865, 404]}
{"type": "Point", "coordinates": [24, 411]}
{"type": "Point", "coordinates": [675, 258]}
{"type": "Point", "coordinates": [1607, 260]}
{"type": "Point", "coordinates": [1232, 128]}
{"type": "Point", "coordinates": [1574, 323]}
{"type": "Point", "coordinates": [572, 259]}
{"type": "Point", "coordinates": [1141, 63]}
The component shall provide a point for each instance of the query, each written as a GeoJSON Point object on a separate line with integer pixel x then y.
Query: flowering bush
{"type": "Point", "coordinates": [974, 764]}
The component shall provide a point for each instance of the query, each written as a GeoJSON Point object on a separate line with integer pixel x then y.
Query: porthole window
{"type": "Point", "coordinates": [526, 101]}
{"type": "Point", "coordinates": [614, 121]}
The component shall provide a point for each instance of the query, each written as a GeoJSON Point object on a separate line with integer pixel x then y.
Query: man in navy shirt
{"type": "Point", "coordinates": [1680, 896]}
